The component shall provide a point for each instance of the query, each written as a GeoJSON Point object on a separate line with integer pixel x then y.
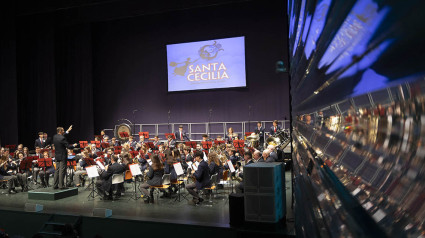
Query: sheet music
{"type": "Point", "coordinates": [92, 171]}
{"type": "Point", "coordinates": [195, 165]}
{"type": "Point", "coordinates": [205, 157]}
{"type": "Point", "coordinates": [179, 169]}
{"type": "Point", "coordinates": [232, 169]}
{"type": "Point", "coordinates": [135, 169]}
{"type": "Point", "coordinates": [100, 165]}
{"type": "Point", "coordinates": [71, 157]}
{"type": "Point", "coordinates": [149, 161]}
{"type": "Point", "coordinates": [189, 164]}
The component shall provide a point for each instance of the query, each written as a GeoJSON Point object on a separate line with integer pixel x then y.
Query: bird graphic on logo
{"type": "Point", "coordinates": [207, 52]}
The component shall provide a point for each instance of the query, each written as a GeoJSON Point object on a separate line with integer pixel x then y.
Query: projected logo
{"type": "Point", "coordinates": [208, 71]}
{"type": "Point", "coordinates": [206, 64]}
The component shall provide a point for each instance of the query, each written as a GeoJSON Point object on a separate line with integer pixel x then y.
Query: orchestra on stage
{"type": "Point", "coordinates": [161, 165]}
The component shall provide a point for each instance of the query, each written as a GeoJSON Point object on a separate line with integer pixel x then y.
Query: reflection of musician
{"type": "Point", "coordinates": [156, 171]}
{"type": "Point", "coordinates": [104, 184]}
{"type": "Point", "coordinates": [275, 128]}
{"type": "Point", "coordinates": [181, 134]}
{"type": "Point", "coordinates": [202, 176]}
{"type": "Point", "coordinates": [231, 135]}
{"type": "Point", "coordinates": [61, 155]}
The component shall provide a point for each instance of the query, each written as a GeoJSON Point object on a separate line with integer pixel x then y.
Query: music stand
{"type": "Point", "coordinates": [206, 145]}
{"type": "Point", "coordinates": [83, 144]}
{"type": "Point", "coordinates": [97, 143]}
{"type": "Point", "coordinates": [92, 173]}
{"type": "Point", "coordinates": [25, 166]}
{"type": "Point", "coordinates": [150, 145]}
{"type": "Point", "coordinates": [145, 134]}
{"type": "Point", "coordinates": [238, 144]}
{"type": "Point", "coordinates": [104, 145]}
{"type": "Point", "coordinates": [219, 142]}
{"type": "Point", "coordinates": [99, 153]}
{"type": "Point", "coordinates": [167, 134]}
{"type": "Point", "coordinates": [90, 162]}
{"type": "Point", "coordinates": [191, 144]}
{"type": "Point", "coordinates": [134, 153]}
{"type": "Point", "coordinates": [135, 171]}
{"type": "Point", "coordinates": [44, 163]}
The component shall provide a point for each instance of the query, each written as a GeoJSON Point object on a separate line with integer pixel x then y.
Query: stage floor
{"type": "Point", "coordinates": [166, 210]}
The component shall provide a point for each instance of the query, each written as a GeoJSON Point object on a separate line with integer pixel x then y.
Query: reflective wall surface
{"type": "Point", "coordinates": [358, 98]}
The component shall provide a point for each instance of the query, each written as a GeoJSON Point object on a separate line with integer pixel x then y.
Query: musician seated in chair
{"type": "Point", "coordinates": [171, 143]}
{"type": "Point", "coordinates": [231, 135]}
{"type": "Point", "coordinates": [275, 128]}
{"type": "Point", "coordinates": [104, 184]}
{"type": "Point", "coordinates": [155, 173]}
{"type": "Point", "coordinates": [114, 142]}
{"type": "Point", "coordinates": [248, 160]}
{"type": "Point", "coordinates": [22, 174]}
{"type": "Point", "coordinates": [202, 176]}
{"type": "Point", "coordinates": [181, 134]}
{"type": "Point", "coordinates": [4, 175]}
{"type": "Point", "coordinates": [46, 172]}
{"type": "Point", "coordinates": [267, 157]}
{"type": "Point", "coordinates": [80, 168]}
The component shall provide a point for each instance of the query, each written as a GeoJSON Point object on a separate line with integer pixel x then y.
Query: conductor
{"type": "Point", "coordinates": [61, 155]}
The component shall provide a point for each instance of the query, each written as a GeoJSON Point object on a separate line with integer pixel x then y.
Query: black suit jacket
{"type": "Point", "coordinates": [202, 175]}
{"type": "Point", "coordinates": [177, 135]}
{"type": "Point", "coordinates": [61, 146]}
{"type": "Point", "coordinates": [272, 129]}
{"type": "Point", "coordinates": [114, 168]}
{"type": "Point", "coordinates": [38, 143]}
{"type": "Point", "coordinates": [172, 144]}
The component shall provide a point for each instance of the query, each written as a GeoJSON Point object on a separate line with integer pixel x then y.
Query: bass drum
{"type": "Point", "coordinates": [120, 129]}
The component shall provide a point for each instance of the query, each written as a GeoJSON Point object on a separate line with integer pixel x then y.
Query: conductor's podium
{"type": "Point", "coordinates": [51, 194]}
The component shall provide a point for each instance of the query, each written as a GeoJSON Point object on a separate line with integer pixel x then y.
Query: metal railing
{"type": "Point", "coordinates": [195, 130]}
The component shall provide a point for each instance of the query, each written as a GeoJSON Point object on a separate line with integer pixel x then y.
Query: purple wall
{"type": "Point", "coordinates": [130, 66]}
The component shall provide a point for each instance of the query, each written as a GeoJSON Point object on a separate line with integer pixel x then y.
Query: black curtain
{"type": "Point", "coordinates": [74, 89]}
{"type": "Point", "coordinates": [8, 104]}
{"type": "Point", "coordinates": [36, 78]}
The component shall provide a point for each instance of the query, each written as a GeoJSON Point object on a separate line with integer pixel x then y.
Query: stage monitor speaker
{"type": "Point", "coordinates": [102, 212]}
{"type": "Point", "coordinates": [265, 196]}
{"type": "Point", "coordinates": [236, 209]}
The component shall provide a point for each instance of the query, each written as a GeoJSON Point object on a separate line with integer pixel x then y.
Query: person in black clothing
{"type": "Point", "coordinates": [202, 176]}
{"type": "Point", "coordinates": [213, 163]}
{"type": "Point", "coordinates": [11, 179]}
{"type": "Point", "coordinates": [61, 156]}
{"type": "Point", "coordinates": [104, 184]}
{"type": "Point", "coordinates": [39, 142]}
{"type": "Point", "coordinates": [156, 171]}
{"type": "Point", "coordinates": [248, 160]}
